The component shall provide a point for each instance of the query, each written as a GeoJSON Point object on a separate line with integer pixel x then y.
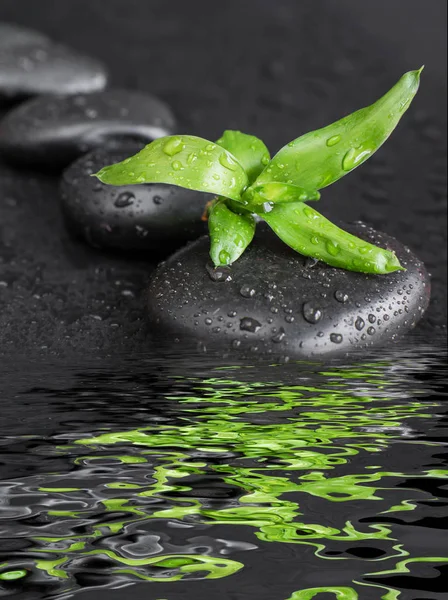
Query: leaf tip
{"type": "Point", "coordinates": [393, 264]}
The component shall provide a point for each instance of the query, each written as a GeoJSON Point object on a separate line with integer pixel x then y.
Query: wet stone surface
{"type": "Point", "coordinates": [274, 301]}
{"type": "Point", "coordinates": [139, 217]}
{"type": "Point", "coordinates": [52, 131]}
{"type": "Point", "coordinates": [31, 64]}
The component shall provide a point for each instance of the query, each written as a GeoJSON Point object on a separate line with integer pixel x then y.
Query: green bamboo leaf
{"type": "Point", "coordinates": [249, 150]}
{"type": "Point", "coordinates": [184, 160]}
{"type": "Point", "coordinates": [274, 192]}
{"type": "Point", "coordinates": [308, 232]}
{"type": "Point", "coordinates": [319, 158]}
{"type": "Point", "coordinates": [230, 233]}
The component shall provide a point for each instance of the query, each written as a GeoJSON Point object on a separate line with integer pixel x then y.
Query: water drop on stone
{"type": "Point", "coordinates": [311, 313]}
{"type": "Point", "coordinates": [249, 324]}
{"type": "Point", "coordinates": [336, 338]}
{"type": "Point", "coordinates": [247, 291]}
{"type": "Point", "coordinates": [219, 274]}
{"type": "Point", "coordinates": [340, 296]}
{"type": "Point", "coordinates": [359, 324]}
{"type": "Point", "coordinates": [124, 199]}
{"type": "Point", "coordinates": [279, 336]}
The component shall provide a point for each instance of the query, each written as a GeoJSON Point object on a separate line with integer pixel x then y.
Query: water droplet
{"type": "Point", "coordinates": [247, 291]}
{"type": "Point", "coordinates": [340, 296]}
{"type": "Point", "coordinates": [224, 257]}
{"type": "Point", "coordinates": [333, 140]}
{"type": "Point", "coordinates": [311, 313]}
{"type": "Point", "coordinates": [236, 344]}
{"type": "Point", "coordinates": [371, 318]}
{"type": "Point", "coordinates": [309, 212]}
{"type": "Point", "coordinates": [314, 239]}
{"type": "Point", "coordinates": [336, 338]}
{"type": "Point", "coordinates": [227, 162]}
{"type": "Point", "coordinates": [359, 324]}
{"type": "Point", "coordinates": [332, 248]}
{"type": "Point", "coordinates": [173, 146]}
{"type": "Point", "coordinates": [371, 330]}
{"type": "Point", "coordinates": [249, 324]}
{"type": "Point", "coordinates": [210, 147]}
{"type": "Point", "coordinates": [354, 157]}
{"type": "Point", "coordinates": [177, 166]}
{"type": "Point", "coordinates": [265, 160]}
{"type": "Point", "coordinates": [219, 274]}
{"type": "Point", "coordinates": [364, 249]}
{"type": "Point", "coordinates": [124, 199]}
{"type": "Point", "coordinates": [310, 262]}
{"type": "Point", "coordinates": [157, 200]}
{"type": "Point", "coordinates": [191, 158]}
{"type": "Point", "coordinates": [279, 336]}
{"type": "Point", "coordinates": [208, 321]}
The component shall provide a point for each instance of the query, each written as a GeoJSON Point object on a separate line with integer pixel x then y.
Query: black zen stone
{"type": "Point", "coordinates": [55, 130]}
{"type": "Point", "coordinates": [31, 64]}
{"type": "Point", "coordinates": [275, 301]}
{"type": "Point", "coordinates": [138, 217]}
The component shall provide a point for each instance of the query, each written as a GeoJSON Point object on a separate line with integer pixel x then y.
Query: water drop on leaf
{"type": "Point", "coordinates": [173, 146]}
{"type": "Point", "coordinates": [333, 140]}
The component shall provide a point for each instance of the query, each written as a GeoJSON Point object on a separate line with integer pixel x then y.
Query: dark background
{"type": "Point", "coordinates": [274, 69]}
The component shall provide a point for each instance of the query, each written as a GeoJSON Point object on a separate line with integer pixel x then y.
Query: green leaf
{"type": "Point", "coordinates": [319, 158]}
{"type": "Point", "coordinates": [274, 192]}
{"type": "Point", "coordinates": [230, 233]}
{"type": "Point", "coordinates": [308, 232]}
{"type": "Point", "coordinates": [184, 160]}
{"type": "Point", "coordinates": [250, 151]}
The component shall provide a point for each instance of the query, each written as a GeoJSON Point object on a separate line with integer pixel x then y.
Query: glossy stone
{"type": "Point", "coordinates": [31, 64]}
{"type": "Point", "coordinates": [55, 130]}
{"type": "Point", "coordinates": [275, 301]}
{"type": "Point", "coordinates": [138, 217]}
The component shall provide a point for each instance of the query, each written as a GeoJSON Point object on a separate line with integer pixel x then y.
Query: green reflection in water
{"type": "Point", "coordinates": [341, 593]}
{"type": "Point", "coordinates": [307, 433]}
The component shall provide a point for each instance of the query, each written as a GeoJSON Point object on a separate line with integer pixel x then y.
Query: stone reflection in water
{"type": "Point", "coordinates": [309, 464]}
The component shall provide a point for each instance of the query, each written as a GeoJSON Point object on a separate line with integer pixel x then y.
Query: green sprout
{"type": "Point", "coordinates": [238, 171]}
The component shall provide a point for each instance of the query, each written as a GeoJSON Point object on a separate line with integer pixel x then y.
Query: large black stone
{"type": "Point", "coordinates": [31, 64]}
{"type": "Point", "coordinates": [275, 301]}
{"type": "Point", "coordinates": [55, 130]}
{"type": "Point", "coordinates": [138, 217]}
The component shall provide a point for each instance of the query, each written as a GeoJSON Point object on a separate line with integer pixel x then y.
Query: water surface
{"type": "Point", "coordinates": [186, 478]}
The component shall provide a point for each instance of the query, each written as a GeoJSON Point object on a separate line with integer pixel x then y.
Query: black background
{"type": "Point", "coordinates": [274, 69]}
